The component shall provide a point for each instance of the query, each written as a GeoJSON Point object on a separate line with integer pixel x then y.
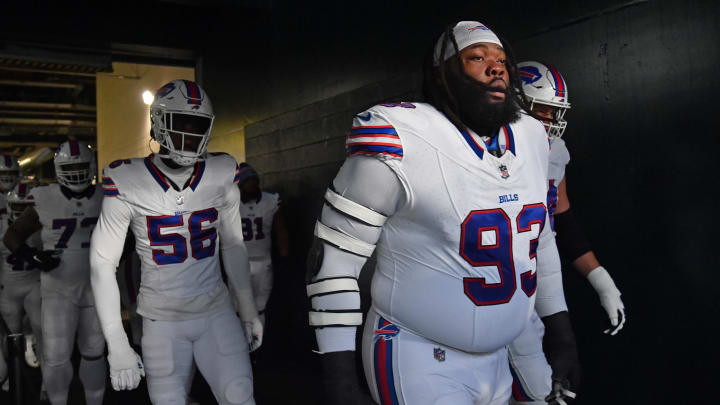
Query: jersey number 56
{"type": "Point", "coordinates": [198, 236]}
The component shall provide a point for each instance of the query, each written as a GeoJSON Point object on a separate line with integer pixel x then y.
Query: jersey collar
{"type": "Point", "coordinates": [165, 182]}
{"type": "Point", "coordinates": [69, 194]}
{"type": "Point", "coordinates": [503, 138]}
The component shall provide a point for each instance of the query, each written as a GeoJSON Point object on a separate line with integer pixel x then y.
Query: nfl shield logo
{"type": "Point", "coordinates": [504, 172]}
{"type": "Point", "coordinates": [439, 354]}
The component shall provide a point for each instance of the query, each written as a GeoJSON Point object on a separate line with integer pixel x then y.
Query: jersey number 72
{"type": "Point", "coordinates": [498, 254]}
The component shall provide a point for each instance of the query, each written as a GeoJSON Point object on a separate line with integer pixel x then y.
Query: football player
{"type": "Point", "coordinates": [261, 220]}
{"type": "Point", "coordinates": [20, 281]}
{"type": "Point", "coordinates": [451, 197]}
{"type": "Point", "coordinates": [66, 214]}
{"type": "Point", "coordinates": [9, 176]}
{"type": "Point", "coordinates": [183, 208]}
{"type": "Point", "coordinates": [547, 92]}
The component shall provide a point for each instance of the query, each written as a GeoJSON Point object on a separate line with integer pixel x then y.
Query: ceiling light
{"type": "Point", "coordinates": [148, 97]}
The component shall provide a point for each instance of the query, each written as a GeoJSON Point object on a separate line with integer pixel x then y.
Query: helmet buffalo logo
{"type": "Point", "coordinates": [478, 27]}
{"type": "Point", "coordinates": [165, 90]}
{"type": "Point", "coordinates": [529, 74]}
{"type": "Point", "coordinates": [387, 332]}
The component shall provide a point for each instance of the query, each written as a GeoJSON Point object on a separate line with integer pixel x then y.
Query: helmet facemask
{"type": "Point", "coordinates": [8, 179]}
{"type": "Point", "coordinates": [555, 127]}
{"type": "Point", "coordinates": [75, 176]}
{"type": "Point", "coordinates": [183, 135]}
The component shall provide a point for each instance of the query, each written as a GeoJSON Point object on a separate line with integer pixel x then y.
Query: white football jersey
{"type": "Point", "coordinates": [175, 232]}
{"type": "Point", "coordinates": [67, 223]}
{"type": "Point", "coordinates": [257, 218]}
{"type": "Point", "coordinates": [559, 158]}
{"type": "Point", "coordinates": [456, 261]}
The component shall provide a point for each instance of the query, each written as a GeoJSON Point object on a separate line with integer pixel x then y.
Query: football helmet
{"type": "Point", "coordinates": [543, 84]}
{"type": "Point", "coordinates": [18, 199]}
{"type": "Point", "coordinates": [9, 172]}
{"type": "Point", "coordinates": [181, 118]}
{"type": "Point", "coordinates": [75, 165]}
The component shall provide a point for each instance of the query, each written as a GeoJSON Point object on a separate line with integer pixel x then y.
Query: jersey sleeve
{"type": "Point", "coordinates": [234, 254]}
{"type": "Point", "coordinates": [369, 183]}
{"type": "Point", "coordinates": [559, 158]}
{"type": "Point", "coordinates": [550, 297]}
{"type": "Point", "coordinates": [372, 134]}
{"type": "Point", "coordinates": [108, 237]}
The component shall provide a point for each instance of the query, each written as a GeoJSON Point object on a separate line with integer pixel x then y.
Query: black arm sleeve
{"type": "Point", "coordinates": [571, 240]}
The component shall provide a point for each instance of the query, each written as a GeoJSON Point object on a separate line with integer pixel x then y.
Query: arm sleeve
{"type": "Point", "coordinates": [106, 246]}
{"type": "Point", "coordinates": [550, 297]}
{"type": "Point", "coordinates": [235, 256]}
{"type": "Point", "coordinates": [371, 183]}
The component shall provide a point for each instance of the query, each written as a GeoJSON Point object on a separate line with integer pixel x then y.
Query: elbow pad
{"type": "Point", "coordinates": [571, 240]}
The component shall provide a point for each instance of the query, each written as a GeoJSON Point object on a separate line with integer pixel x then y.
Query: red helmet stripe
{"type": "Point", "coordinates": [193, 92]}
{"type": "Point", "coordinates": [559, 82]}
{"type": "Point", "coordinates": [22, 190]}
{"type": "Point", "coordinates": [74, 148]}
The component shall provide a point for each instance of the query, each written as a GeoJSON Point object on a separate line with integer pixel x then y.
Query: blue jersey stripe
{"type": "Point", "coordinates": [374, 149]}
{"type": "Point", "coordinates": [359, 131]}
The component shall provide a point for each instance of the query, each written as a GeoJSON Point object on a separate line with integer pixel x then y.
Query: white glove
{"type": "Point", "coordinates": [254, 333]}
{"type": "Point", "coordinates": [609, 298]}
{"type": "Point", "coordinates": [126, 368]}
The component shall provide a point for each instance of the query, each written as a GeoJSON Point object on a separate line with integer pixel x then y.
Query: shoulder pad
{"type": "Point", "coordinates": [116, 172]}
{"type": "Point", "coordinates": [223, 165]}
{"type": "Point", "coordinates": [372, 134]}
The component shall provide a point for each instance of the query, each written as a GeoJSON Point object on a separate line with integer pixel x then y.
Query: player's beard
{"type": "Point", "coordinates": [474, 106]}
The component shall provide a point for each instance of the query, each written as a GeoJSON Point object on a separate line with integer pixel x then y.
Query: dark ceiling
{"type": "Point", "coordinates": [50, 52]}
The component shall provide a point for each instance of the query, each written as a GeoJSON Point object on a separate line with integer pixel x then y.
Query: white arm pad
{"type": "Point", "coordinates": [332, 286]}
{"type": "Point", "coordinates": [354, 209]}
{"type": "Point", "coordinates": [343, 241]}
{"type": "Point", "coordinates": [550, 297]}
{"type": "Point", "coordinates": [324, 318]}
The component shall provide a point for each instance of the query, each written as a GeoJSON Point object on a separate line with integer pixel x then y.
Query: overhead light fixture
{"type": "Point", "coordinates": [148, 97]}
{"type": "Point", "coordinates": [25, 161]}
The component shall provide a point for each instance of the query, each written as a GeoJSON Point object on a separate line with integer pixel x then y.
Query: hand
{"type": "Point", "coordinates": [560, 393]}
{"type": "Point", "coordinates": [126, 369]}
{"type": "Point", "coordinates": [340, 382]}
{"type": "Point", "coordinates": [45, 260]}
{"type": "Point", "coordinates": [609, 299]}
{"type": "Point", "coordinates": [254, 333]}
{"type": "Point", "coordinates": [561, 353]}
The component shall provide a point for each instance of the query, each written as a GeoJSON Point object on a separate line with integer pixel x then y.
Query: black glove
{"type": "Point", "coordinates": [45, 260]}
{"type": "Point", "coordinates": [340, 382]}
{"type": "Point", "coordinates": [561, 352]}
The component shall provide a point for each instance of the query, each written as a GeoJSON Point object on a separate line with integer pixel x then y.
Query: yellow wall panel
{"type": "Point", "coordinates": [123, 119]}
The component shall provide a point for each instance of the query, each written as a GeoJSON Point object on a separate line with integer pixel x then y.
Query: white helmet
{"type": "Point", "coordinates": [75, 165]}
{"type": "Point", "coordinates": [18, 199]}
{"type": "Point", "coordinates": [9, 172]}
{"type": "Point", "coordinates": [181, 117]}
{"type": "Point", "coordinates": [543, 84]}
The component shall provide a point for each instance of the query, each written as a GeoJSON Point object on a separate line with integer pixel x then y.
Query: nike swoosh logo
{"type": "Point", "coordinates": [366, 117]}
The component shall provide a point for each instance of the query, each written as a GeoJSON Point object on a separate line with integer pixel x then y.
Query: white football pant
{"type": "Point", "coordinates": [64, 316]}
{"type": "Point", "coordinates": [531, 372]}
{"type": "Point", "coordinates": [217, 344]}
{"type": "Point", "coordinates": [404, 368]}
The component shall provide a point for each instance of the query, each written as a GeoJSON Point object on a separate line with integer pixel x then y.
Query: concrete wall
{"type": "Point", "coordinates": [123, 119]}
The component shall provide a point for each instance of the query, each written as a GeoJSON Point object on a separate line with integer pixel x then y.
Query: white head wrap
{"type": "Point", "coordinates": [466, 33]}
